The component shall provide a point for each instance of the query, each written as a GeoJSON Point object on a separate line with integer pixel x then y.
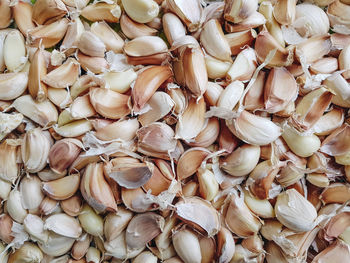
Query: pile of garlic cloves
{"type": "Point", "coordinates": [192, 131]}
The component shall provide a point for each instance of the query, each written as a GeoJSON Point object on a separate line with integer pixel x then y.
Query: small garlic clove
{"type": "Point", "coordinates": [81, 108]}
{"type": "Point", "coordinates": [91, 45]}
{"type": "Point", "coordinates": [226, 245]}
{"type": "Point", "coordinates": [325, 65]}
{"type": "Point", "coordinates": [147, 82]}
{"type": "Point", "coordinates": [5, 12]}
{"type": "Point", "coordinates": [71, 39]}
{"type": "Point", "coordinates": [62, 188]}
{"type": "Point", "coordinates": [12, 85]}
{"type": "Point", "coordinates": [208, 134]}
{"type": "Point", "coordinates": [143, 228]}
{"type": "Point", "coordinates": [217, 47]}
{"type": "Point", "coordinates": [261, 208]}
{"type": "Point", "coordinates": [5, 189]}
{"type": "Point", "coordinates": [343, 159]}
{"type": "Point", "coordinates": [102, 11]}
{"type": "Point", "coordinates": [294, 211]}
{"type": "Point", "coordinates": [6, 224]}
{"type": "Point", "coordinates": [337, 251]}
{"type": "Point", "coordinates": [48, 35]}
{"type": "Point", "coordinates": [254, 129]}
{"type": "Point", "coordinates": [48, 11]}
{"type": "Point", "coordinates": [8, 162]}
{"type": "Point", "coordinates": [90, 221]}
{"type": "Point", "coordinates": [190, 161]}
{"type": "Point", "coordinates": [63, 225]}
{"type": "Point", "coordinates": [49, 206]}
{"type": "Point", "coordinates": [208, 186]}
{"type": "Point", "coordinates": [216, 68]}
{"type": "Point", "coordinates": [142, 11]}
{"type": "Point", "coordinates": [145, 46]}
{"type": "Point", "coordinates": [116, 130]}
{"type": "Point", "coordinates": [96, 65]}
{"type": "Point", "coordinates": [145, 257]}
{"type": "Point", "coordinates": [9, 122]}
{"type": "Point", "coordinates": [163, 240]}
{"type": "Point", "coordinates": [200, 214]}
{"type": "Point", "coordinates": [243, 67]}
{"type": "Point", "coordinates": [44, 113]}
{"type": "Point", "coordinates": [237, 11]}
{"type": "Point", "coordinates": [134, 29]}
{"type": "Point", "coordinates": [63, 153]}
{"type": "Point", "coordinates": [254, 98]}
{"type": "Point", "coordinates": [115, 224]}
{"type": "Point", "coordinates": [72, 206]}
{"type": "Point", "coordinates": [93, 255]}
{"type": "Point", "coordinates": [187, 246]}
{"type": "Point", "coordinates": [301, 144]}
{"type": "Point", "coordinates": [14, 206]}
{"type": "Point", "coordinates": [190, 12]}
{"type": "Point", "coordinates": [238, 40]}
{"type": "Point", "coordinates": [280, 90]}
{"type": "Point", "coordinates": [208, 248]}
{"type": "Point", "coordinates": [230, 96]}
{"type": "Point", "coordinates": [81, 246]}
{"type": "Point", "coordinates": [213, 92]}
{"type": "Point", "coordinates": [120, 81]}
{"type": "Point", "coordinates": [37, 71]}
{"type": "Point", "coordinates": [242, 161]}
{"type": "Point", "coordinates": [339, 86]}
{"type": "Point", "coordinates": [191, 122]}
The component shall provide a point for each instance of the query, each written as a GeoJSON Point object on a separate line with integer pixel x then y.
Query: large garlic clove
{"type": "Point", "coordinates": [115, 224]}
{"type": "Point", "coordinates": [62, 188]}
{"type": "Point", "coordinates": [63, 225]}
{"type": "Point", "coordinates": [190, 161]}
{"type": "Point", "coordinates": [187, 246]}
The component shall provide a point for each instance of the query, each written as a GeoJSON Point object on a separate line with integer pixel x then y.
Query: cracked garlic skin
{"type": "Point", "coordinates": [175, 131]}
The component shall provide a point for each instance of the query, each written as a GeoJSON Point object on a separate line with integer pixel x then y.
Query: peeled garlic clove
{"type": "Point", "coordinates": [216, 68]}
{"type": "Point", "coordinates": [337, 143]}
{"type": "Point", "coordinates": [35, 150]}
{"type": "Point", "coordinates": [56, 245]}
{"type": "Point", "coordinates": [147, 82]}
{"type": "Point", "coordinates": [313, 49]}
{"type": "Point", "coordinates": [63, 153]}
{"type": "Point", "coordinates": [161, 104]}
{"type": "Point", "coordinates": [192, 120]}
{"type": "Point", "coordinates": [265, 43]}
{"type": "Point", "coordinates": [12, 85]}
{"type": "Point", "coordinates": [230, 96]}
{"type": "Point", "coordinates": [200, 214]}
{"type": "Point", "coordinates": [91, 45]}
{"type": "Point", "coordinates": [143, 228]}
{"type": "Point", "coordinates": [237, 164]}
{"type": "Point", "coordinates": [254, 129]}
{"type": "Point", "coordinates": [284, 11]}
{"type": "Point", "coordinates": [187, 246]}
{"type": "Point", "coordinates": [301, 144]}
{"type": "Point", "coordinates": [335, 193]}
{"type": "Point", "coordinates": [142, 11]}
{"type": "Point", "coordinates": [190, 12]}
{"type": "Point", "coordinates": [63, 225]}
{"type": "Point", "coordinates": [217, 47]}
{"type": "Point", "coordinates": [48, 35]}
{"type": "Point", "coordinates": [14, 206]}
{"type": "Point", "coordinates": [190, 161]}
{"type": "Point", "coordinates": [294, 211]}
{"type": "Point", "coordinates": [44, 113]}
{"type": "Point", "coordinates": [280, 90]}
{"type": "Point", "coordinates": [237, 11]}
{"type": "Point", "coordinates": [63, 76]}
{"type": "Point", "coordinates": [195, 72]}
{"type": "Point", "coordinates": [134, 29]}
{"type": "Point", "coordinates": [14, 51]}
{"type": "Point", "coordinates": [102, 11]}
{"type": "Point", "coordinates": [311, 107]}
{"type": "Point", "coordinates": [116, 130]}
{"type": "Point", "coordinates": [48, 11]}
{"type": "Point", "coordinates": [239, 219]}
{"type": "Point", "coordinates": [28, 252]}
{"type": "Point", "coordinates": [243, 67]}
{"type": "Point", "coordinates": [115, 223]}
{"type": "Point", "coordinates": [90, 221]}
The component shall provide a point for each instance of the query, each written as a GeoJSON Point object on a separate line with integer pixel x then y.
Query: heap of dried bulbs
{"type": "Point", "coordinates": [174, 131]}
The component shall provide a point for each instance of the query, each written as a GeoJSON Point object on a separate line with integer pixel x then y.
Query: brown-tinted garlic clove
{"type": "Point", "coordinates": [254, 20]}
{"type": "Point", "coordinates": [294, 211]}
{"type": "Point", "coordinates": [208, 186]}
{"type": "Point", "coordinates": [48, 206]}
{"type": "Point", "coordinates": [145, 46]}
{"type": "Point", "coordinates": [337, 143]}
{"type": "Point", "coordinates": [5, 11]}
{"type": "Point", "coordinates": [102, 11]}
{"type": "Point", "coordinates": [325, 65]}
{"type": "Point", "coordinates": [190, 161]}
{"type": "Point", "coordinates": [28, 252]}
{"type": "Point", "coordinates": [62, 188]}
{"type": "Point", "coordinates": [337, 251]}
{"type": "Point", "coordinates": [81, 246]}
{"type": "Point", "coordinates": [238, 40]}
{"type": "Point", "coordinates": [48, 35]}
{"type": "Point", "coordinates": [63, 153]}
{"type": "Point", "coordinates": [280, 90]}
{"type": "Point", "coordinates": [208, 134]}
{"type": "Point", "coordinates": [6, 224]}
{"type": "Point", "coordinates": [143, 228]}
{"type": "Point", "coordinates": [254, 129]}
{"type": "Point", "coordinates": [254, 98]}
{"type": "Point", "coordinates": [71, 39]}
{"type": "Point", "coordinates": [48, 11]}
{"type": "Point", "coordinates": [147, 82]}
{"type": "Point", "coordinates": [72, 206]}
{"type": "Point", "coordinates": [81, 108]}
{"type": "Point", "coordinates": [200, 214]}
{"type": "Point", "coordinates": [335, 193]}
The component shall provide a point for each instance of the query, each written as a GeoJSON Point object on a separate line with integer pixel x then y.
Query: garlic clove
{"type": "Point", "coordinates": [81, 246]}
{"type": "Point", "coordinates": [56, 245]}
{"type": "Point", "coordinates": [231, 95]}
{"type": "Point", "coordinates": [90, 221]}
{"type": "Point", "coordinates": [110, 38]}
{"type": "Point", "coordinates": [115, 224]}
{"type": "Point", "coordinates": [145, 46]}
{"type": "Point", "coordinates": [173, 27]}
{"type": "Point", "coordinates": [237, 11]}
{"type": "Point", "coordinates": [63, 225]}
{"type": "Point", "coordinates": [72, 206]}
{"type": "Point", "coordinates": [48, 11]}
{"type": "Point", "coordinates": [81, 108]}
{"type": "Point", "coordinates": [313, 49]}
{"type": "Point", "coordinates": [187, 246]}
{"type": "Point", "coordinates": [208, 134]}
{"type": "Point", "coordinates": [109, 12]}
{"type": "Point", "coordinates": [62, 188]}
{"type": "Point", "coordinates": [284, 11]}
{"type": "Point", "coordinates": [91, 45]}
{"type": "Point", "coordinates": [30, 188]}
{"type": "Point", "coordinates": [344, 61]}
{"type": "Point", "coordinates": [12, 85]}
{"type": "Point", "coordinates": [14, 51]}
{"type": "Point", "coordinates": [215, 67]}
{"type": "Point", "coordinates": [116, 130]}
{"type": "Point", "coordinates": [28, 252]}
{"type": "Point", "coordinates": [243, 67]}
{"type": "Point", "coordinates": [134, 29]}
{"type": "Point", "coordinates": [190, 161]}
{"type": "Point", "coordinates": [254, 98]}
{"type": "Point", "coordinates": [254, 20]}
{"type": "Point", "coordinates": [335, 193]}
{"type": "Point", "coordinates": [120, 81]}
{"type": "Point", "coordinates": [337, 142]}
{"type": "Point", "coordinates": [96, 65]}
{"type": "Point", "coordinates": [142, 11]}
{"type": "Point", "coordinates": [190, 12]}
